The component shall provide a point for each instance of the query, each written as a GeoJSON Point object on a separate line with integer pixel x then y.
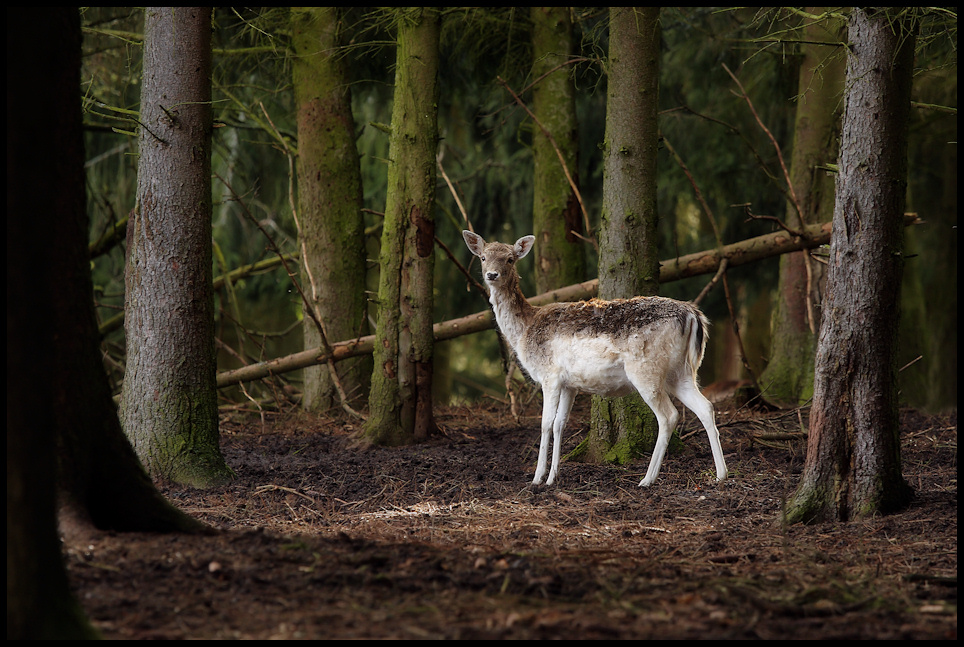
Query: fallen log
{"type": "Point", "coordinates": [705, 262]}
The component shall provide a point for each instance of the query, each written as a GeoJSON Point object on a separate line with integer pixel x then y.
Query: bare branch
{"type": "Point", "coordinates": [555, 147]}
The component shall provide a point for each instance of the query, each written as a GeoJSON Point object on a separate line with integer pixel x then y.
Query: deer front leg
{"type": "Point", "coordinates": [550, 404]}
{"type": "Point", "coordinates": [566, 398]}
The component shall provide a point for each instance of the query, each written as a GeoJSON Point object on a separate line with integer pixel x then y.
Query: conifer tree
{"type": "Point", "coordinates": [169, 402]}
{"type": "Point", "coordinates": [400, 405]}
{"type": "Point", "coordinates": [623, 428]}
{"type": "Point", "coordinates": [853, 469]}
{"type": "Point", "coordinates": [329, 203]}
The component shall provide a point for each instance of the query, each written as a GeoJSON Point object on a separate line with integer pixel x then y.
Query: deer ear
{"type": "Point", "coordinates": [523, 246]}
{"type": "Point", "coordinates": [473, 241]}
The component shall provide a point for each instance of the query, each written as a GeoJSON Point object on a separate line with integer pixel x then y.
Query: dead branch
{"type": "Point", "coordinates": [555, 147]}
{"type": "Point", "coordinates": [811, 318]}
{"type": "Point", "coordinates": [713, 281]}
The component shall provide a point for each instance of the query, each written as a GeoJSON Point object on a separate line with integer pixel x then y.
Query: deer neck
{"type": "Point", "coordinates": [512, 310]}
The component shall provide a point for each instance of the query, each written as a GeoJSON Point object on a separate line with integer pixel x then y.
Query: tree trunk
{"type": "Point", "coordinates": [169, 409]}
{"type": "Point", "coordinates": [623, 428]}
{"type": "Point", "coordinates": [788, 378]}
{"type": "Point", "coordinates": [401, 397]}
{"type": "Point", "coordinates": [556, 215]}
{"type": "Point", "coordinates": [329, 202]}
{"type": "Point", "coordinates": [852, 469]}
{"type": "Point", "coordinates": [43, 115]}
{"type": "Point", "coordinates": [52, 340]}
{"type": "Point", "coordinates": [929, 320]}
{"type": "Point", "coordinates": [940, 338]}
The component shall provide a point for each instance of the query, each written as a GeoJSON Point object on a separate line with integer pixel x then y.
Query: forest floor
{"type": "Point", "coordinates": [447, 540]}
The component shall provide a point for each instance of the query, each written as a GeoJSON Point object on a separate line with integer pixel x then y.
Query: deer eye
{"type": "Point", "coordinates": [482, 257]}
{"type": "Point", "coordinates": [511, 261]}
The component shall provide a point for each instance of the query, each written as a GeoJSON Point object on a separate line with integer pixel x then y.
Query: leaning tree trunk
{"type": "Point", "coordinates": [332, 229]}
{"type": "Point", "coordinates": [788, 378]}
{"type": "Point", "coordinates": [560, 257]}
{"type": "Point", "coordinates": [621, 429]}
{"type": "Point", "coordinates": [401, 396]}
{"type": "Point", "coordinates": [169, 404]}
{"type": "Point", "coordinates": [852, 469]}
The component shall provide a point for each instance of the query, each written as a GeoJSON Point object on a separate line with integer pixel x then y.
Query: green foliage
{"type": "Point", "coordinates": [727, 153]}
{"type": "Point", "coordinates": [485, 146]}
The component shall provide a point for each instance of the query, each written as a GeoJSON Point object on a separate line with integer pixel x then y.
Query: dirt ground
{"type": "Point", "coordinates": [446, 540]}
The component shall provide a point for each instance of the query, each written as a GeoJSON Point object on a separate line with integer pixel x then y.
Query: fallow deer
{"type": "Point", "coordinates": [653, 345]}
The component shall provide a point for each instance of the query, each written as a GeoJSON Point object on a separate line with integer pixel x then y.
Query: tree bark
{"type": "Point", "coordinates": [621, 429]}
{"type": "Point", "coordinates": [400, 405]}
{"type": "Point", "coordinates": [329, 202]}
{"type": "Point", "coordinates": [852, 469]}
{"type": "Point", "coordinates": [560, 257]}
{"type": "Point", "coordinates": [169, 400]}
{"type": "Point", "coordinates": [788, 377]}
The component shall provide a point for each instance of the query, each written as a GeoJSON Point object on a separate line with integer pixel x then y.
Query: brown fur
{"type": "Point", "coordinates": [617, 318]}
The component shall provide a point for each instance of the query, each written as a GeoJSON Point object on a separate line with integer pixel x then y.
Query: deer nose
{"type": "Point", "coordinates": [491, 276]}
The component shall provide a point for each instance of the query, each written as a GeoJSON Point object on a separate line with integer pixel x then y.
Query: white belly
{"type": "Point", "coordinates": [589, 365]}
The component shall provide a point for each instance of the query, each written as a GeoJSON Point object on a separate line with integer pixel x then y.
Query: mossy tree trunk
{"type": "Point", "coordinates": [400, 405]}
{"type": "Point", "coordinates": [560, 257]}
{"type": "Point", "coordinates": [623, 428]}
{"type": "Point", "coordinates": [788, 378]}
{"type": "Point", "coordinates": [169, 403]}
{"type": "Point", "coordinates": [329, 202]}
{"type": "Point", "coordinates": [852, 468]}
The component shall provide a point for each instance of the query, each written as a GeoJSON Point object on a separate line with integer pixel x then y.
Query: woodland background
{"type": "Point", "coordinates": [486, 154]}
{"type": "Point", "coordinates": [315, 538]}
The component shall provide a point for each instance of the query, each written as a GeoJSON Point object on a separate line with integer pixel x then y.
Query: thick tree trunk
{"type": "Point", "coordinates": [623, 428]}
{"type": "Point", "coordinates": [43, 115]}
{"type": "Point", "coordinates": [329, 202]}
{"type": "Point", "coordinates": [852, 468]}
{"type": "Point", "coordinates": [556, 215]}
{"type": "Point", "coordinates": [169, 399]}
{"type": "Point", "coordinates": [67, 431]}
{"type": "Point", "coordinates": [400, 404]}
{"type": "Point", "coordinates": [788, 378]}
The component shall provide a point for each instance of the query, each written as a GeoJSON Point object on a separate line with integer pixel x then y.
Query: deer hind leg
{"type": "Point", "coordinates": [689, 394]}
{"type": "Point", "coordinates": [667, 416]}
